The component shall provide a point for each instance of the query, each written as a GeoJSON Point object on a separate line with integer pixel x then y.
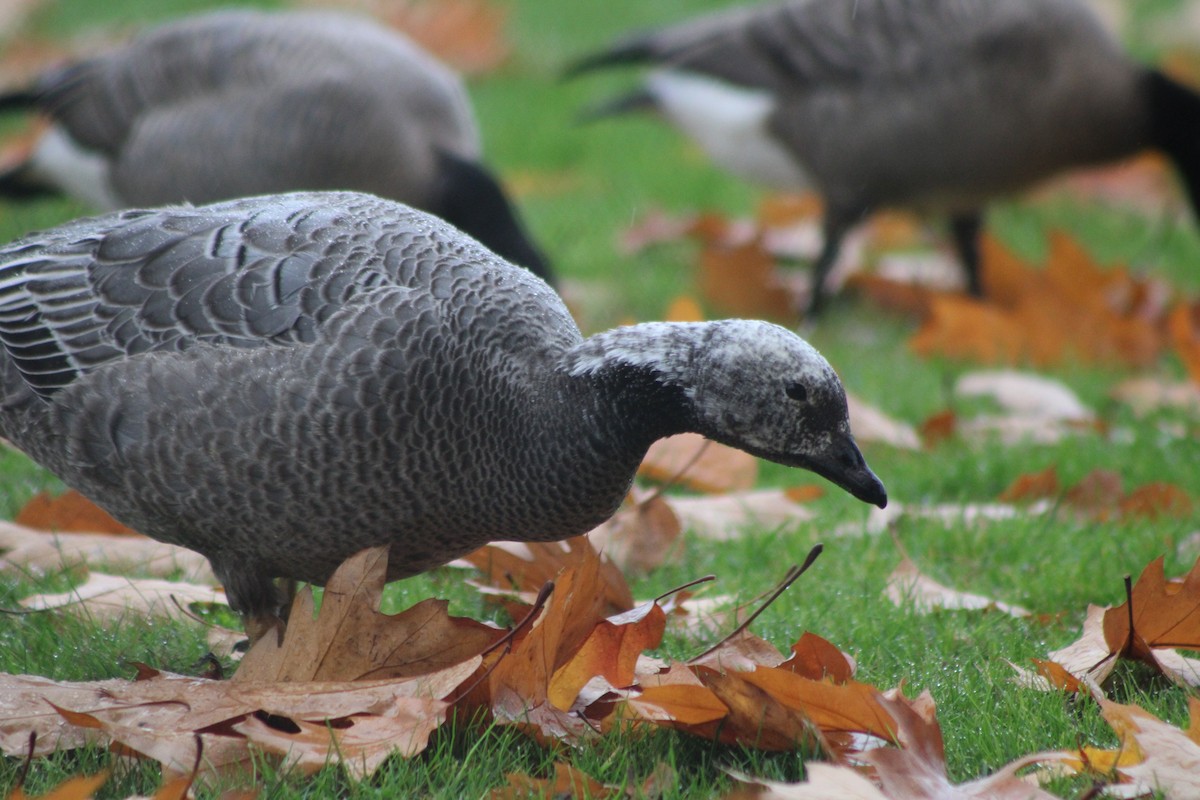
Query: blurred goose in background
{"type": "Point", "coordinates": [933, 105]}
{"type": "Point", "coordinates": [240, 102]}
{"type": "Point", "coordinates": [279, 382]}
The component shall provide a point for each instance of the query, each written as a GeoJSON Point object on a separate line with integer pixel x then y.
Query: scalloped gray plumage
{"type": "Point", "coordinates": [279, 382]}
{"type": "Point", "coordinates": [241, 102]}
{"type": "Point", "coordinates": [935, 105]}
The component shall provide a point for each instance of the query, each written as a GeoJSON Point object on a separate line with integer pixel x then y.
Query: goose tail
{"type": "Point", "coordinates": [637, 49]}
{"type": "Point", "coordinates": [1175, 129]}
{"type": "Point", "coordinates": [640, 100]}
{"type": "Point", "coordinates": [17, 100]}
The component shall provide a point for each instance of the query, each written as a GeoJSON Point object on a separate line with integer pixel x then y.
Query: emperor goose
{"type": "Point", "coordinates": [935, 105]}
{"type": "Point", "coordinates": [239, 102]}
{"type": "Point", "coordinates": [278, 382]}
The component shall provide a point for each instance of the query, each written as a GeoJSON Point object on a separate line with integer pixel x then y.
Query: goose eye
{"type": "Point", "coordinates": [797, 392]}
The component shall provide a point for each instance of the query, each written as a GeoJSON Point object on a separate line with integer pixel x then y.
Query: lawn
{"type": "Point", "coordinates": [580, 187]}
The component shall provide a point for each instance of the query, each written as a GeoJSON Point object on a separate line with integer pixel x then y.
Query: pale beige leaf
{"type": "Point", "coordinates": [362, 744]}
{"type": "Point", "coordinates": [728, 516]}
{"type": "Point", "coordinates": [870, 424]}
{"type": "Point", "coordinates": [825, 782]}
{"type": "Point", "coordinates": [1024, 394]}
{"type": "Point", "coordinates": [26, 550]}
{"type": "Point", "coordinates": [907, 585]}
{"type": "Point", "coordinates": [105, 598]}
{"type": "Point", "coordinates": [698, 463]}
{"type": "Point", "coordinates": [1145, 395]}
{"type": "Point", "coordinates": [1036, 408]}
{"type": "Point", "coordinates": [24, 710]}
{"type": "Point", "coordinates": [641, 536]}
{"type": "Point", "coordinates": [1172, 759]}
{"type": "Point", "coordinates": [1089, 657]}
{"type": "Point", "coordinates": [932, 269]}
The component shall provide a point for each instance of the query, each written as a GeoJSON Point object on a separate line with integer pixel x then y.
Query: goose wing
{"type": "Point", "coordinates": [796, 44]}
{"type": "Point", "coordinates": [249, 273]}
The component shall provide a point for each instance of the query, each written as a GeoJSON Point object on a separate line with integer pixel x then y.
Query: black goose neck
{"type": "Point", "coordinates": [643, 403]}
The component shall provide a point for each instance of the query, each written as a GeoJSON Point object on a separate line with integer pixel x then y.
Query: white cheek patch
{"type": "Point", "coordinates": [730, 123]}
{"type": "Point", "coordinates": [81, 173]}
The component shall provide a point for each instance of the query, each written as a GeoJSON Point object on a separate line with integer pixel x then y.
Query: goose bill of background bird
{"type": "Point", "coordinates": [240, 102]}
{"type": "Point", "coordinates": [279, 382]}
{"type": "Point", "coordinates": [933, 105]}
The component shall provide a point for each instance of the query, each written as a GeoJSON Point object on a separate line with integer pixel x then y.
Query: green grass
{"type": "Point", "coordinates": [599, 179]}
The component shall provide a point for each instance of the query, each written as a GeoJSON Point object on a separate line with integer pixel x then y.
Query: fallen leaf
{"type": "Point", "coordinates": [1157, 616]}
{"type": "Point", "coordinates": [641, 536]}
{"type": "Point", "coordinates": [691, 461]}
{"type": "Point", "coordinates": [69, 511]}
{"type": "Point", "coordinates": [731, 515]}
{"type": "Point", "coordinates": [519, 685]}
{"type": "Point", "coordinates": [1024, 393]}
{"type": "Point", "coordinates": [1146, 395]}
{"type": "Point", "coordinates": [684, 309]}
{"type": "Point", "coordinates": [872, 425]}
{"type": "Point", "coordinates": [1069, 309]}
{"type": "Point", "coordinates": [80, 787]}
{"type": "Point", "coordinates": [741, 280]}
{"type": "Point", "coordinates": [360, 743]}
{"type": "Point", "coordinates": [29, 550]}
{"type": "Point", "coordinates": [568, 782]}
{"type": "Point", "coordinates": [908, 586]}
{"type": "Point", "coordinates": [104, 598]}
{"type": "Point", "coordinates": [1032, 486]}
{"type": "Point", "coordinates": [466, 34]}
{"type": "Point", "coordinates": [610, 651]}
{"type": "Point", "coordinates": [352, 640]}
{"type": "Point", "coordinates": [528, 566]}
{"type": "Point", "coordinates": [1183, 325]}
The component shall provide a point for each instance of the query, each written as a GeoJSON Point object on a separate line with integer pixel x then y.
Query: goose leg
{"type": "Point", "coordinates": [965, 228]}
{"type": "Point", "coordinates": [836, 225]}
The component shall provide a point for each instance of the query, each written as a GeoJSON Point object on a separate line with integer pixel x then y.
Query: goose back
{"type": "Point", "coordinates": [274, 95]}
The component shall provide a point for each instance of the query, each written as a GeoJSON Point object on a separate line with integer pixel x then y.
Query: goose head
{"type": "Point", "coordinates": [748, 384]}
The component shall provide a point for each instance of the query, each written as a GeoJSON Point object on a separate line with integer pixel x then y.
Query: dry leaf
{"type": "Point", "coordinates": [520, 683]}
{"type": "Point", "coordinates": [1069, 309]}
{"type": "Point", "coordinates": [27, 550]}
{"type": "Point", "coordinates": [1025, 394]}
{"type": "Point", "coordinates": [525, 567]}
{"type": "Point", "coordinates": [69, 511]}
{"type": "Point", "coordinates": [567, 782]}
{"type": "Point", "coordinates": [104, 598]}
{"type": "Point", "coordinates": [741, 280]}
{"type": "Point", "coordinates": [641, 536]}
{"type": "Point", "coordinates": [352, 640]}
{"type": "Point", "coordinates": [1169, 755]}
{"type": "Point", "coordinates": [610, 651]}
{"type": "Point", "coordinates": [907, 585]}
{"type": "Point", "coordinates": [1146, 395]}
{"type": "Point", "coordinates": [1163, 617]}
{"type": "Point", "coordinates": [1183, 324]}
{"type": "Point", "coordinates": [684, 309]}
{"type": "Point", "coordinates": [1032, 486]}
{"type": "Point", "coordinates": [728, 516]}
{"type": "Point", "coordinates": [361, 743]}
{"type": "Point", "coordinates": [694, 462]}
{"type": "Point", "coordinates": [466, 34]}
{"type": "Point", "coordinates": [872, 425]}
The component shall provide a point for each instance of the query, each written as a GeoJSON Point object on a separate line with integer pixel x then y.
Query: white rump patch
{"type": "Point", "coordinates": [81, 173]}
{"type": "Point", "coordinates": [730, 123]}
